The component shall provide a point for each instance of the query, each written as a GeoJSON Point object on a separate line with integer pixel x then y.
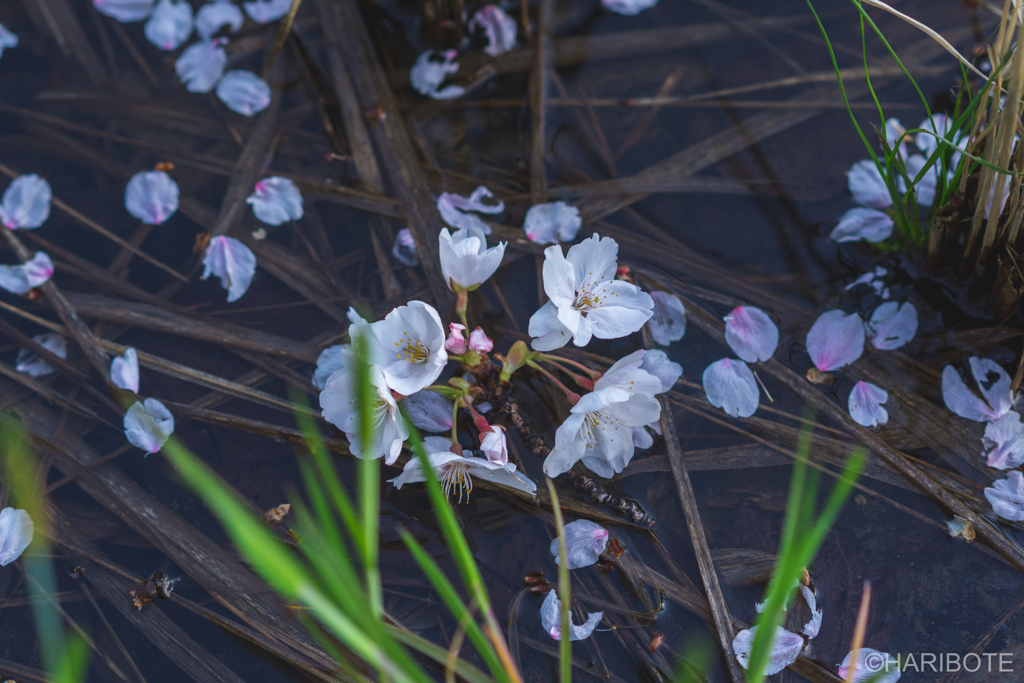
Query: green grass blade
{"type": "Point", "coordinates": [564, 589]}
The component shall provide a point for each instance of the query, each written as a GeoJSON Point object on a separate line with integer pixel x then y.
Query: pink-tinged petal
{"type": "Point", "coordinates": [124, 371]}
{"type": "Point", "coordinates": [456, 341]}
{"type": "Point", "coordinates": [34, 366]}
{"type": "Point", "coordinates": [785, 650]}
{"type": "Point", "coordinates": [201, 65]}
{"type": "Point", "coordinates": [151, 196]}
{"type": "Point", "coordinates": [962, 400]}
{"type": "Point", "coordinates": [552, 222]}
{"type": "Point", "coordinates": [584, 541]}
{"type": "Point", "coordinates": [551, 619]}
{"type": "Point", "coordinates": [16, 531]}
{"type": "Point", "coordinates": [429, 411]}
{"type": "Point", "coordinates": [751, 334]}
{"type": "Point", "coordinates": [243, 92]}
{"type": "Point", "coordinates": [26, 203]}
{"type": "Point", "coordinates": [494, 445]}
{"type": "Point", "coordinates": [23, 278]}
{"type": "Point", "coordinates": [668, 322]}
{"type": "Point", "coordinates": [7, 39]}
{"type": "Point", "coordinates": [1007, 497]}
{"type": "Point", "coordinates": [455, 209]}
{"type": "Point", "coordinates": [994, 384]}
{"type": "Point", "coordinates": [866, 185]}
{"type": "Point", "coordinates": [499, 28]}
{"type": "Point", "coordinates": [892, 325]}
{"type": "Point", "coordinates": [170, 24]}
{"type": "Point", "coordinates": [231, 261]}
{"type": "Point", "coordinates": [863, 224]}
{"type": "Point", "coordinates": [213, 16]}
{"type": "Point", "coordinates": [835, 340]}
{"type": "Point", "coordinates": [872, 666]}
{"type": "Point", "coordinates": [276, 200]}
{"type": "Point", "coordinates": [266, 11]}
{"type": "Point", "coordinates": [125, 11]}
{"type": "Point", "coordinates": [479, 341]}
{"type": "Point", "coordinates": [148, 425]}
{"type": "Point", "coordinates": [628, 7]}
{"type": "Point", "coordinates": [729, 384]}
{"type": "Point", "coordinates": [427, 75]}
{"type": "Point", "coordinates": [1004, 442]}
{"type": "Point", "coordinates": [404, 249]}
{"type": "Point", "coordinates": [865, 404]}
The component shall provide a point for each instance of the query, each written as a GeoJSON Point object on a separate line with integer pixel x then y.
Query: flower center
{"type": "Point", "coordinates": [586, 301]}
{"type": "Point", "coordinates": [456, 476]}
{"type": "Point", "coordinates": [411, 350]}
{"type": "Point", "coordinates": [595, 422]}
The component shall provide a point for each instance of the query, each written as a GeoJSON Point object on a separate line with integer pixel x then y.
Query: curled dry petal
{"type": "Point", "coordinates": [26, 203]}
{"type": "Point", "coordinates": [1007, 497]}
{"type": "Point", "coordinates": [266, 11]}
{"type": "Point", "coordinates": [213, 16]}
{"type": "Point", "coordinates": [785, 650]}
{"type": "Point", "coordinates": [892, 325]}
{"type": "Point", "coordinates": [668, 322]}
{"type": "Point", "coordinates": [430, 411]}
{"type": "Point", "coordinates": [16, 530]}
{"type": "Point", "coordinates": [151, 196]}
{"type": "Point", "coordinates": [243, 92]}
{"type": "Point", "coordinates": [276, 200]}
{"type": "Point", "coordinates": [231, 261]}
{"type": "Point", "coordinates": [835, 340]}
{"type": "Point", "coordinates": [1004, 442]}
{"type": "Point", "coordinates": [552, 222]}
{"type": "Point", "coordinates": [584, 543]}
{"type": "Point", "coordinates": [124, 370]}
{"type": "Point", "coordinates": [867, 186]}
{"type": "Point", "coordinates": [170, 24]}
{"type": "Point", "coordinates": [455, 208]}
{"type": "Point", "coordinates": [865, 404]}
{"type": "Point", "coordinates": [628, 7]}
{"type": "Point", "coordinates": [404, 249]}
{"type": "Point", "coordinates": [499, 28]}
{"type": "Point", "coordinates": [148, 425]}
{"type": "Point", "coordinates": [201, 65]}
{"type": "Point", "coordinates": [729, 384]}
{"type": "Point", "coordinates": [21, 279]}
{"type": "Point", "coordinates": [551, 618]}
{"type": "Point", "coordinates": [34, 366]}
{"type": "Point", "coordinates": [751, 334]}
{"type": "Point", "coordinates": [124, 11]}
{"type": "Point", "coordinates": [860, 223]}
{"type": "Point", "coordinates": [7, 39]}
{"type": "Point", "coordinates": [427, 75]}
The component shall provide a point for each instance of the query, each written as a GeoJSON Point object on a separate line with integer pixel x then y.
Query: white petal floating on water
{"type": "Point", "coordinates": [266, 11]}
{"type": "Point", "coordinates": [244, 92]}
{"type": "Point", "coordinates": [148, 425]}
{"type": "Point", "coordinates": [26, 203]}
{"type": "Point", "coordinates": [404, 249]}
{"type": "Point", "coordinates": [124, 370]}
{"type": "Point", "coordinates": [202, 64]}
{"type": "Point", "coordinates": [785, 650]}
{"type": "Point", "coordinates": [430, 411]}
{"type": "Point", "coordinates": [994, 384]}
{"type": "Point", "coordinates": [729, 384]}
{"type": "Point", "coordinates": [455, 208]}
{"type": "Point", "coordinates": [124, 11]}
{"type": "Point", "coordinates": [7, 39]}
{"type": "Point", "coordinates": [666, 371]}
{"type": "Point", "coordinates": [927, 142]}
{"type": "Point", "coordinates": [16, 530]}
{"type": "Point", "coordinates": [751, 334]}
{"type": "Point", "coordinates": [551, 618]}
{"type": "Point", "coordinates": [835, 340]}
{"type": "Point", "coordinates": [872, 666]}
{"type": "Point", "coordinates": [962, 401]}
{"type": "Point", "coordinates": [668, 324]}
{"type": "Point", "coordinates": [628, 7]}
{"type": "Point", "coordinates": [499, 28]}
{"type": "Point", "coordinates": [328, 362]}
{"type": "Point", "coordinates": [276, 200]}
{"type": "Point", "coordinates": [1007, 497]}
{"type": "Point", "coordinates": [874, 280]}
{"type": "Point", "coordinates": [812, 627]}
{"type": "Point", "coordinates": [151, 196]}
{"type": "Point", "coordinates": [213, 16]}
{"type": "Point", "coordinates": [34, 366]}
{"type": "Point", "coordinates": [894, 130]}
{"type": "Point", "coordinates": [584, 543]}
{"type": "Point", "coordinates": [231, 261]}
{"type": "Point", "coordinates": [865, 404]}
{"type": "Point", "coordinates": [427, 75]}
{"type": "Point", "coordinates": [1004, 442]}
{"type": "Point", "coordinates": [23, 278]}
{"type": "Point", "coordinates": [926, 186]}
{"type": "Point", "coordinates": [170, 24]}
{"type": "Point", "coordinates": [860, 223]}
{"type": "Point", "coordinates": [867, 186]}
{"type": "Point", "coordinates": [552, 222]}
{"type": "Point", "coordinates": [892, 325]}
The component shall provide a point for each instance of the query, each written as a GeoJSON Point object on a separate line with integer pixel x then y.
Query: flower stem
{"type": "Point", "coordinates": [594, 374]}
{"type": "Point", "coordinates": [573, 396]}
{"type": "Point", "coordinates": [581, 381]}
{"type": "Point", "coordinates": [461, 304]}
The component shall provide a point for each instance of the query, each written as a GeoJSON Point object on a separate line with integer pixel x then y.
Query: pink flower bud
{"type": "Point", "coordinates": [480, 342]}
{"type": "Point", "coordinates": [494, 445]}
{"type": "Point", "coordinates": [456, 341]}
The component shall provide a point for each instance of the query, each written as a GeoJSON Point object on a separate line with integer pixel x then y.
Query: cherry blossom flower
{"type": "Point", "coordinates": [202, 64]}
{"type": "Point", "coordinates": [585, 298]}
{"type": "Point", "coordinates": [124, 370]}
{"type": "Point", "coordinates": [993, 383]}
{"type": "Point", "coordinates": [668, 322]}
{"type": "Point", "coordinates": [215, 15]}
{"type": "Point", "coordinates": [785, 650]}
{"type": "Point", "coordinates": [892, 325]}
{"type": "Point", "coordinates": [584, 543]}
{"type": "Point", "coordinates": [231, 261]}
{"type": "Point", "coordinates": [867, 186]}
{"type": "Point", "coordinates": [456, 342]}
{"type": "Point", "coordinates": [327, 363]}
{"type": "Point", "coordinates": [22, 278]}
{"type": "Point", "coordinates": [860, 223]}
{"type": "Point", "coordinates": [865, 404]}
{"type": "Point", "coordinates": [729, 384]}
{"type": "Point", "coordinates": [479, 341]}
{"type": "Point", "coordinates": [338, 401]}
{"type": "Point", "coordinates": [151, 196]}
{"type": "Point", "coordinates": [499, 28]}
{"type": "Point", "coordinates": [551, 619]}
{"type": "Point", "coordinates": [869, 665]}
{"type": "Point", "coordinates": [243, 92]}
{"type": "Point", "coordinates": [276, 200]}
{"type": "Point", "coordinates": [429, 411]}
{"type": "Point", "coordinates": [16, 531]}
{"type": "Point", "coordinates": [170, 24]}
{"type": "Point", "coordinates": [456, 472]}
{"type": "Point", "coordinates": [411, 342]}
{"type": "Point", "coordinates": [7, 39]}
{"type": "Point", "coordinates": [404, 249]}
{"type": "Point", "coordinates": [148, 425]}
{"type": "Point", "coordinates": [666, 371]}
{"type": "Point", "coordinates": [552, 223]}
{"type": "Point", "coordinates": [34, 366]}
{"type": "Point", "coordinates": [466, 261]}
{"type": "Point", "coordinates": [26, 203]}
{"type": "Point", "coordinates": [628, 7]}
{"type": "Point", "coordinates": [125, 11]}
{"type": "Point", "coordinates": [454, 209]}
{"type": "Point", "coordinates": [266, 11]}
{"type": "Point", "coordinates": [1007, 496]}
{"type": "Point", "coordinates": [835, 340]}
{"type": "Point", "coordinates": [1004, 442]}
{"type": "Point", "coordinates": [751, 334]}
{"type": "Point", "coordinates": [494, 445]}
{"type": "Point", "coordinates": [874, 280]}
{"type": "Point", "coordinates": [427, 75]}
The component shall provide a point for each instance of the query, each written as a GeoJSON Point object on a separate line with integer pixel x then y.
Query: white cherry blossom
{"type": "Point", "coordinates": [151, 196]}
{"type": "Point", "coordinates": [327, 363]}
{"type": "Point", "coordinates": [466, 261]}
{"type": "Point", "coordinates": [1007, 496]}
{"type": "Point", "coordinates": [835, 340]}
{"type": "Point", "coordinates": [892, 325]}
{"type": "Point", "coordinates": [729, 384]}
{"type": "Point", "coordinates": [1004, 442]}
{"type": "Point", "coordinates": [992, 382]}
{"type": "Point", "coordinates": [456, 472]}
{"type": "Point", "coordinates": [24, 277]}
{"type": "Point", "coordinates": [865, 404]}
{"type": "Point", "coordinates": [751, 334]}
{"type": "Point", "coordinates": [411, 340]}
{"type": "Point", "coordinates": [494, 445]}
{"type": "Point", "coordinates": [785, 650]}
{"type": "Point", "coordinates": [340, 407]}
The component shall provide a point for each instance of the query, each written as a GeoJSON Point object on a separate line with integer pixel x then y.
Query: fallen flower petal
{"type": "Point", "coordinates": [628, 7]}
{"type": "Point", "coordinates": [266, 11]}
{"type": "Point", "coordinates": [835, 340]}
{"type": "Point", "coordinates": [867, 186]}
{"type": "Point", "coordinates": [124, 11]}
{"type": "Point", "coordinates": [939, 125]}
{"type": "Point", "coordinates": [551, 619]}
{"type": "Point", "coordinates": [860, 223]}
{"type": "Point", "coordinates": [170, 24]}
{"type": "Point", "coordinates": [785, 650]}
{"type": "Point", "coordinates": [892, 325]}
{"type": "Point", "coordinates": [231, 261]}
{"type": "Point", "coordinates": [926, 186]}
{"type": "Point", "coordinates": [213, 16]}
{"type": "Point", "coordinates": [23, 278]}
{"type": "Point", "coordinates": [870, 664]}
{"type": "Point", "coordinates": [729, 384]}
{"type": "Point", "coordinates": [16, 531]}
{"type": "Point", "coordinates": [276, 200]}
{"type": "Point", "coordinates": [812, 627]}
{"type": "Point", "coordinates": [430, 411]}
{"type": "Point", "coordinates": [124, 370]}
{"type": "Point", "coordinates": [584, 543]}
{"type": "Point", "coordinates": [427, 75]}
{"type": "Point", "coordinates": [1004, 442]}
{"type": "Point", "coordinates": [455, 208]}
{"type": "Point", "coordinates": [894, 130]}
{"type": "Point", "coordinates": [998, 397]}
{"type": "Point", "coordinates": [328, 362]}
{"type": "Point", "coordinates": [865, 404]}
{"type": "Point", "coordinates": [499, 28]}
{"type": "Point", "coordinates": [668, 321]}
{"type": "Point", "coordinates": [666, 371]}
{"type": "Point", "coordinates": [1007, 496]}
{"type": "Point", "coordinates": [751, 334]}
{"type": "Point", "coordinates": [151, 196]}
{"type": "Point", "coordinates": [7, 39]}
{"type": "Point", "coordinates": [874, 280]}
{"type": "Point", "coordinates": [148, 425]}
{"type": "Point", "coordinates": [202, 64]}
{"type": "Point", "coordinates": [552, 223]}
{"type": "Point", "coordinates": [243, 92]}
{"type": "Point", "coordinates": [404, 249]}
{"type": "Point", "coordinates": [34, 366]}
{"type": "Point", "coordinates": [26, 203]}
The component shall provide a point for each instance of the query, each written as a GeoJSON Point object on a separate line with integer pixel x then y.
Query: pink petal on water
{"type": "Point", "coordinates": [584, 541]}
{"type": "Point", "coordinates": [866, 185]}
{"type": "Point", "coordinates": [865, 404]}
{"type": "Point", "coordinates": [872, 666]}
{"type": "Point", "coordinates": [751, 334]}
{"type": "Point", "coordinates": [26, 203]}
{"type": "Point", "coordinates": [860, 223]}
{"type": "Point", "coordinates": [1007, 497]}
{"type": "Point", "coordinates": [231, 261]}
{"type": "Point", "coordinates": [124, 370]}
{"type": "Point", "coordinates": [23, 278]}
{"type": "Point", "coordinates": [201, 65]}
{"type": "Point", "coordinates": [276, 200]}
{"type": "Point", "coordinates": [962, 400]}
{"type": "Point", "coordinates": [151, 196]}
{"type": "Point", "coordinates": [34, 366]}
{"type": "Point", "coordinates": [148, 425]}
{"type": "Point", "coordinates": [552, 222]}
{"type": "Point", "coordinates": [213, 16]}
{"type": "Point", "coordinates": [170, 24]}
{"type": "Point", "coordinates": [124, 11]}
{"type": "Point", "coordinates": [244, 92]}
{"type": "Point", "coordinates": [266, 11]}
{"type": "Point", "coordinates": [892, 325]}
{"type": "Point", "coordinates": [729, 384]}
{"type": "Point", "coordinates": [1004, 442]}
{"type": "Point", "coordinates": [785, 650]}
{"type": "Point", "coordinates": [427, 75]}
{"type": "Point", "coordinates": [16, 530]}
{"type": "Point", "coordinates": [551, 619]}
{"type": "Point", "coordinates": [835, 340]}
{"type": "Point", "coordinates": [499, 28]}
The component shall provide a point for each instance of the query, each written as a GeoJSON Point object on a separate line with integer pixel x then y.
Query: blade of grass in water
{"type": "Point", "coordinates": [564, 590]}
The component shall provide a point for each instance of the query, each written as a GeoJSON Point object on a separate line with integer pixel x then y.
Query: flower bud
{"type": "Point", "coordinates": [494, 445]}
{"type": "Point", "coordinates": [479, 341]}
{"type": "Point", "coordinates": [456, 342]}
